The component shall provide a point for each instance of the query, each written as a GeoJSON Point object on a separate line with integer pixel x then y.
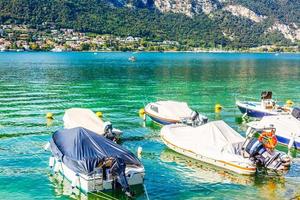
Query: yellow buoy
{"type": "Point", "coordinates": [142, 114]}
{"type": "Point", "coordinates": [99, 114]}
{"type": "Point", "coordinates": [218, 108]}
{"type": "Point", "coordinates": [289, 103]}
{"type": "Point", "coordinates": [142, 111]}
{"type": "Point", "coordinates": [139, 152]}
{"type": "Point", "coordinates": [49, 115]}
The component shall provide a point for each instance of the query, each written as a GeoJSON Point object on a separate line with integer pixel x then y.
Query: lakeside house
{"type": "Point", "coordinates": [48, 37]}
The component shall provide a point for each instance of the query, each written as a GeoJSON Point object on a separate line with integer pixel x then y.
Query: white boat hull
{"type": "Point", "coordinates": [168, 112]}
{"type": "Point", "coordinates": [134, 175]}
{"type": "Point", "coordinates": [219, 163]}
{"type": "Point", "coordinates": [254, 109]}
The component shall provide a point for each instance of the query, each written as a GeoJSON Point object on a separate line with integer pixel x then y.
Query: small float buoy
{"type": "Point", "coordinates": [99, 114]}
{"type": "Point", "coordinates": [51, 162]}
{"type": "Point", "coordinates": [218, 108]}
{"type": "Point", "coordinates": [142, 114]}
{"type": "Point", "coordinates": [289, 103]}
{"type": "Point", "coordinates": [49, 115]}
{"type": "Point", "coordinates": [142, 111]}
{"type": "Point", "coordinates": [139, 151]}
{"type": "Point", "coordinates": [47, 146]}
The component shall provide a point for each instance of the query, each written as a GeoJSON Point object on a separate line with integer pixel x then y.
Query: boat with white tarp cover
{"type": "Point", "coordinates": [172, 112]}
{"type": "Point", "coordinates": [93, 163]}
{"type": "Point", "coordinates": [86, 118]}
{"type": "Point", "coordinates": [218, 144]}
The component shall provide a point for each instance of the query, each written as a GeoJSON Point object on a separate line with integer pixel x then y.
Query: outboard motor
{"type": "Point", "coordinates": [296, 113]}
{"type": "Point", "coordinates": [108, 133]}
{"type": "Point", "coordinates": [198, 119]}
{"type": "Point", "coordinates": [268, 158]}
{"type": "Point", "coordinates": [118, 171]}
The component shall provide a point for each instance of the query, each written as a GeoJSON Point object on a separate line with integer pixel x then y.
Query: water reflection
{"type": "Point", "coordinates": [203, 172]}
{"type": "Point", "coordinates": [32, 84]}
{"type": "Point", "coordinates": [63, 187]}
{"type": "Point", "coordinates": [268, 187]}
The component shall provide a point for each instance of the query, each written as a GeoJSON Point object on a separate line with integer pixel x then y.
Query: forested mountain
{"type": "Point", "coordinates": [204, 23]}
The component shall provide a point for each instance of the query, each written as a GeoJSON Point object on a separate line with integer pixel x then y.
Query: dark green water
{"type": "Point", "coordinates": [33, 84]}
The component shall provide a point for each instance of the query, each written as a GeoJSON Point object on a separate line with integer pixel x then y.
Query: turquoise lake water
{"type": "Point", "coordinates": [32, 84]}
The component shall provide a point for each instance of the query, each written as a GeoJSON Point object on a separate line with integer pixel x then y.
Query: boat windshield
{"type": "Point", "coordinates": [266, 95]}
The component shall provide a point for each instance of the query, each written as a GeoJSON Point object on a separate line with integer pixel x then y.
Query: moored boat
{"type": "Point", "coordinates": [86, 118]}
{"type": "Point", "coordinates": [132, 58]}
{"type": "Point", "coordinates": [218, 144]}
{"type": "Point", "coordinates": [266, 107]}
{"type": "Point", "coordinates": [93, 163]}
{"type": "Point", "coordinates": [172, 112]}
{"type": "Point", "coordinates": [287, 127]}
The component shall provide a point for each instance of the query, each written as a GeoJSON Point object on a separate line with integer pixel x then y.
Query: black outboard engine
{"type": "Point", "coordinates": [108, 133]}
{"type": "Point", "coordinates": [118, 172]}
{"type": "Point", "coordinates": [296, 113]}
{"type": "Point", "coordinates": [271, 160]}
{"type": "Point", "coordinates": [198, 119]}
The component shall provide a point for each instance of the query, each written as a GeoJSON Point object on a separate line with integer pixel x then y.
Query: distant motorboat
{"type": "Point", "coordinates": [56, 49]}
{"type": "Point", "coordinates": [86, 118]}
{"type": "Point", "coordinates": [172, 112]}
{"type": "Point", "coordinates": [287, 127]}
{"type": "Point", "coordinates": [132, 58]}
{"type": "Point", "coordinates": [93, 163]}
{"type": "Point", "coordinates": [266, 107]}
{"type": "Point", "coordinates": [218, 144]}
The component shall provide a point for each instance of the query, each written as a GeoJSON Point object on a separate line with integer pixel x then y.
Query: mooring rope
{"type": "Point", "coordinates": [106, 196]}
{"type": "Point", "coordinates": [146, 193]}
{"type": "Point", "coordinates": [27, 150]}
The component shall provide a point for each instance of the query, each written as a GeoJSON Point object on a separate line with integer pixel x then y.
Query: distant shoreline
{"type": "Point", "coordinates": [202, 51]}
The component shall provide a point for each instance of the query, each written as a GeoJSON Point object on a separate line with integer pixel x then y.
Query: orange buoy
{"type": "Point", "coordinates": [268, 139]}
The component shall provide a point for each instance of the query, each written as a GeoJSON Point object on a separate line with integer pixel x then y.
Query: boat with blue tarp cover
{"type": "Point", "coordinates": [92, 162]}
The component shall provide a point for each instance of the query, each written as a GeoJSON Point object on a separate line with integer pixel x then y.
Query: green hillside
{"type": "Point", "coordinates": [144, 20]}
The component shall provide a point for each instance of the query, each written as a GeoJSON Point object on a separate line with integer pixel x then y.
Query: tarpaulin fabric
{"type": "Point", "coordinates": [170, 109]}
{"type": "Point", "coordinates": [214, 140]}
{"type": "Point", "coordinates": [81, 117]}
{"type": "Point", "coordinates": [286, 126]}
{"type": "Point", "coordinates": [83, 150]}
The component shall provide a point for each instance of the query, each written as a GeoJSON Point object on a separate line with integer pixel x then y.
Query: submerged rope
{"type": "Point", "coordinates": [106, 196]}
{"type": "Point", "coordinates": [146, 193]}
{"type": "Point", "coordinates": [33, 143]}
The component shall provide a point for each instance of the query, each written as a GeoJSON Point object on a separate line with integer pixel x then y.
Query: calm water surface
{"type": "Point", "coordinates": [32, 84]}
